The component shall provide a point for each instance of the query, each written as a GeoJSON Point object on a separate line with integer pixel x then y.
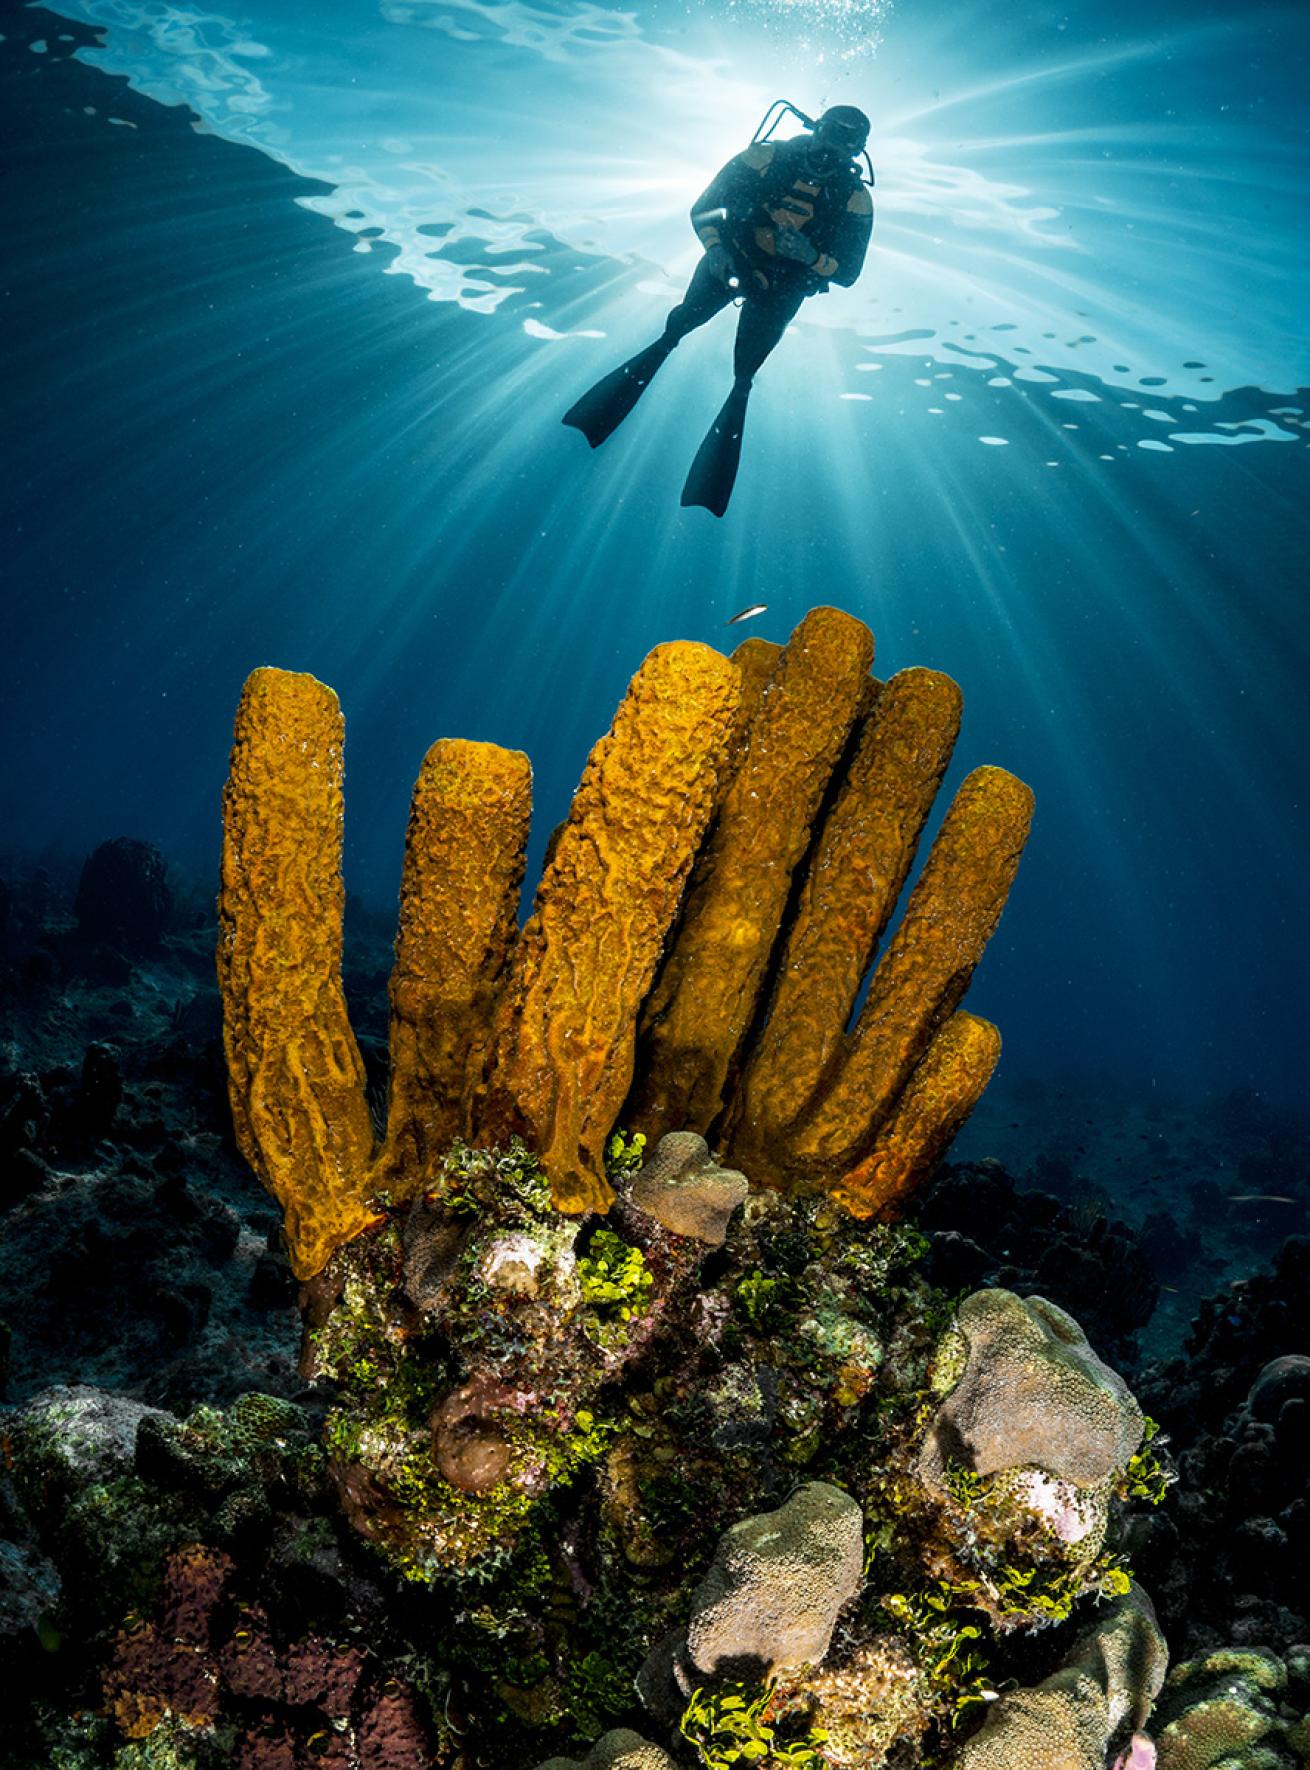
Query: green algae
{"type": "Point", "coordinates": [733, 1724]}
{"type": "Point", "coordinates": [1147, 1476]}
{"type": "Point", "coordinates": [614, 1276]}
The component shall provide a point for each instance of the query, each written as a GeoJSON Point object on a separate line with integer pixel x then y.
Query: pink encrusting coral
{"type": "Point", "coordinates": [1059, 1504]}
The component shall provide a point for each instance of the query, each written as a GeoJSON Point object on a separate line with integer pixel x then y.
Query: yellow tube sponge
{"type": "Point", "coordinates": [295, 1078]}
{"type": "Point", "coordinates": [952, 913]}
{"type": "Point", "coordinates": [709, 989]}
{"type": "Point", "coordinates": [706, 916]}
{"type": "Point", "coordinates": [756, 659]}
{"type": "Point", "coordinates": [946, 1085]}
{"type": "Point", "coordinates": [853, 879]}
{"type": "Point", "coordinates": [584, 963]}
{"type": "Point", "coordinates": [459, 898]}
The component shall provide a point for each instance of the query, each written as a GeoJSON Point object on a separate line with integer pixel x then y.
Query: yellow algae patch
{"type": "Point", "coordinates": [703, 1005]}
{"type": "Point", "coordinates": [952, 913]}
{"type": "Point", "coordinates": [853, 879]}
{"type": "Point", "coordinates": [295, 1078]}
{"type": "Point", "coordinates": [564, 1053]}
{"type": "Point", "coordinates": [943, 1090]}
{"type": "Point", "coordinates": [459, 897]}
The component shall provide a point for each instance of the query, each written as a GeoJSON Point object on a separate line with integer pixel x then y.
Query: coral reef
{"type": "Point", "coordinates": [123, 896]}
{"type": "Point", "coordinates": [511, 1381]}
{"type": "Point", "coordinates": [633, 1435]}
{"type": "Point", "coordinates": [786, 793]}
{"type": "Point", "coordinates": [1228, 1565]}
{"type": "Point", "coordinates": [736, 1528]}
{"type": "Point", "coordinates": [533, 1505]}
{"type": "Point", "coordinates": [480, 1334]}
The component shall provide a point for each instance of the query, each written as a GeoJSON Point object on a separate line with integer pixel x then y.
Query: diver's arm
{"type": "Point", "coordinates": [732, 190]}
{"type": "Point", "coordinates": [851, 241]}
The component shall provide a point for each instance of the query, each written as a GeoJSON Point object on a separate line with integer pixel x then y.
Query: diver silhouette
{"type": "Point", "coordinates": [779, 223]}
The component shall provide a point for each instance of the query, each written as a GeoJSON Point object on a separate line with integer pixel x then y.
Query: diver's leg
{"type": "Point", "coordinates": [714, 471]}
{"type": "Point", "coordinates": [603, 408]}
{"type": "Point", "coordinates": [706, 295]}
{"type": "Point", "coordinates": [759, 331]}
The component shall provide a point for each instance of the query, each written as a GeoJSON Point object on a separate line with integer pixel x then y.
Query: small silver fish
{"type": "Point", "coordinates": [1260, 1198]}
{"type": "Point", "coordinates": [756, 608]}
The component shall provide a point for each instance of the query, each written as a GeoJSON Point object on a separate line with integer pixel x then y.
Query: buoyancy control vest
{"type": "Point", "coordinates": [787, 192]}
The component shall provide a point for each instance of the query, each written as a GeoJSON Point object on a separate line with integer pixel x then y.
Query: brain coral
{"type": "Point", "coordinates": [778, 1582]}
{"type": "Point", "coordinates": [621, 1749]}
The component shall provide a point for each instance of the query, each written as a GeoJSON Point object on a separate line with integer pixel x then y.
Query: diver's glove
{"type": "Point", "coordinates": [719, 263]}
{"type": "Point", "coordinates": [787, 243]}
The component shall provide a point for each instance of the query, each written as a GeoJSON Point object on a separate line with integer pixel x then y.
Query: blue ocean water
{"type": "Point", "coordinates": [296, 297]}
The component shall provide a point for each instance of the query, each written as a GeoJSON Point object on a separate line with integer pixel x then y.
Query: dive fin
{"type": "Point", "coordinates": [714, 471]}
{"type": "Point", "coordinates": [601, 410]}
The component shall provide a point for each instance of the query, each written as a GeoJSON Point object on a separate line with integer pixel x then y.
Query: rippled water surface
{"type": "Point", "coordinates": [1097, 213]}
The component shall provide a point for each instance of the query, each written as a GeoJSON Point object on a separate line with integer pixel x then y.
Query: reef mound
{"type": "Point", "coordinates": [629, 1430]}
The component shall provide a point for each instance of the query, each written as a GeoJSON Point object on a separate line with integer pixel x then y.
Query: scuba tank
{"type": "Point", "coordinates": [774, 116]}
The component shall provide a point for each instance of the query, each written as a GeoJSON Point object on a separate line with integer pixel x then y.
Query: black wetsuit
{"type": "Point", "coordinates": [769, 187]}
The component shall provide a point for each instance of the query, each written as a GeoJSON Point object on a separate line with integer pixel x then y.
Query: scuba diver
{"type": "Point", "coordinates": [780, 222]}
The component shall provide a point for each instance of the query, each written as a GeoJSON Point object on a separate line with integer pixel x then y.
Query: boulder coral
{"type": "Point", "coordinates": [683, 1189]}
{"type": "Point", "coordinates": [1032, 1391]}
{"type": "Point", "coordinates": [1072, 1721]}
{"type": "Point", "coordinates": [1230, 1707]}
{"type": "Point", "coordinates": [776, 1587]}
{"type": "Point", "coordinates": [704, 924]}
{"type": "Point", "coordinates": [1029, 1443]}
{"type": "Point", "coordinates": [620, 1749]}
